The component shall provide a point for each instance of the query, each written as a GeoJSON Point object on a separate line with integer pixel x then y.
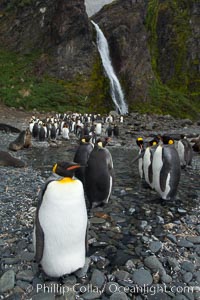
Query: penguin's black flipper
{"type": "Point", "coordinates": [86, 239]}
{"type": "Point", "coordinates": [164, 170]}
{"type": "Point", "coordinates": [39, 234]}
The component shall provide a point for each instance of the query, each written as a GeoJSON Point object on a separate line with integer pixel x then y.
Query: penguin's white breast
{"type": "Point", "coordinates": [157, 166]}
{"type": "Point", "coordinates": [63, 218]}
{"type": "Point", "coordinates": [146, 164]}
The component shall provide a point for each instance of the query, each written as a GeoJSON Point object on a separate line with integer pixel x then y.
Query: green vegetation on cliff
{"type": "Point", "coordinates": [22, 87]}
{"type": "Point", "coordinates": [175, 89]}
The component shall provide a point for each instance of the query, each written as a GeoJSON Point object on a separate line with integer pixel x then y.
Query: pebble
{"type": "Point", "coordinates": [7, 281]}
{"type": "Point", "coordinates": [188, 266]}
{"type": "Point", "coordinates": [155, 246]}
{"type": "Point", "coordinates": [153, 263]}
{"type": "Point", "coordinates": [142, 277]}
{"type": "Point", "coordinates": [187, 277]}
{"type": "Point", "coordinates": [184, 243]}
{"type": "Point", "coordinates": [123, 234]}
{"type": "Point", "coordinates": [119, 296]}
{"type": "Point", "coordinates": [97, 278]}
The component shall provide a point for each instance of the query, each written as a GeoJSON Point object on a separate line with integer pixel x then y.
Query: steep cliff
{"type": "Point", "coordinates": [60, 29]}
{"type": "Point", "coordinates": [49, 59]}
{"type": "Point", "coordinates": [123, 24]}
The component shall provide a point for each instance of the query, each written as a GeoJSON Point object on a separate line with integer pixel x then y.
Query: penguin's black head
{"type": "Point", "coordinates": [140, 142]}
{"type": "Point", "coordinates": [154, 142]}
{"type": "Point", "coordinates": [167, 140]}
{"type": "Point", "coordinates": [65, 169]}
{"type": "Point", "coordinates": [85, 139]}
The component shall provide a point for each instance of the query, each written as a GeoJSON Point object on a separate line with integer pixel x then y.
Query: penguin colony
{"type": "Point", "coordinates": [60, 231]}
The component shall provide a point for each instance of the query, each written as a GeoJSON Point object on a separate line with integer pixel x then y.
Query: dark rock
{"type": "Point", "coordinates": [155, 246]}
{"type": "Point", "coordinates": [187, 277]}
{"type": "Point", "coordinates": [142, 277]}
{"type": "Point", "coordinates": [26, 275]}
{"type": "Point", "coordinates": [154, 264]}
{"type": "Point", "coordinates": [97, 278]}
{"type": "Point", "coordinates": [7, 281]}
{"type": "Point", "coordinates": [184, 243]}
{"type": "Point", "coordinates": [188, 266]}
{"type": "Point", "coordinates": [119, 296]}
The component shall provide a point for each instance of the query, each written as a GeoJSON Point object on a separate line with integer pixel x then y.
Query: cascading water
{"type": "Point", "coordinates": [115, 87]}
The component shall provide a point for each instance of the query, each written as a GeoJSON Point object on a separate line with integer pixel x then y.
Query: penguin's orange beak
{"type": "Point", "coordinates": [73, 167]}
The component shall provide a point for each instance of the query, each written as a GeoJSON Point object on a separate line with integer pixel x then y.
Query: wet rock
{"type": "Point", "coordinates": [91, 295]}
{"type": "Point", "coordinates": [194, 239]}
{"type": "Point", "coordinates": [187, 277]}
{"type": "Point", "coordinates": [96, 220]}
{"type": "Point", "coordinates": [173, 263]}
{"type": "Point", "coordinates": [26, 275]}
{"type": "Point", "coordinates": [142, 277]}
{"type": "Point", "coordinates": [155, 246]}
{"type": "Point", "coordinates": [7, 281]}
{"type": "Point", "coordinates": [154, 264]}
{"type": "Point", "coordinates": [172, 238]}
{"type": "Point", "coordinates": [159, 296]}
{"type": "Point", "coordinates": [44, 296]}
{"type": "Point", "coordinates": [82, 272]}
{"type": "Point", "coordinates": [119, 296]}
{"type": "Point", "coordinates": [184, 243]}
{"type": "Point", "coordinates": [122, 275]}
{"type": "Point", "coordinates": [97, 278]}
{"type": "Point", "coordinates": [188, 266]}
{"type": "Point", "coordinates": [111, 288]}
{"type": "Point", "coordinates": [166, 278]}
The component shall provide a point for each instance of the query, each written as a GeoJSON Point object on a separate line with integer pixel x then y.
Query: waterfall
{"type": "Point", "coordinates": [115, 87]}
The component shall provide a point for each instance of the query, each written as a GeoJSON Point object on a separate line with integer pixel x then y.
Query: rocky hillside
{"type": "Point", "coordinates": [49, 58]}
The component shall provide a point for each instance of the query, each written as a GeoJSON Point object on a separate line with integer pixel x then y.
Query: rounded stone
{"type": "Point", "coordinates": [142, 277]}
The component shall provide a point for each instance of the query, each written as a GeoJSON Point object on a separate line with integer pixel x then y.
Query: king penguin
{"type": "Point", "coordinates": [166, 169]}
{"type": "Point", "coordinates": [99, 175]}
{"type": "Point", "coordinates": [148, 160]}
{"type": "Point", "coordinates": [140, 143]}
{"type": "Point", "coordinates": [81, 156]}
{"type": "Point", "coordinates": [61, 223]}
{"type": "Point", "coordinates": [185, 151]}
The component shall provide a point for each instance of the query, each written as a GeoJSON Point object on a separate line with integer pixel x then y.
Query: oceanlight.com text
{"type": "Point", "coordinates": [114, 288]}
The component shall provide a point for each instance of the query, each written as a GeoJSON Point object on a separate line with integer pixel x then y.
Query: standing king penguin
{"type": "Point", "coordinates": [185, 151]}
{"type": "Point", "coordinates": [81, 157]}
{"type": "Point", "coordinates": [148, 160]}
{"type": "Point", "coordinates": [140, 143]}
{"type": "Point", "coordinates": [61, 223]}
{"type": "Point", "coordinates": [166, 169]}
{"type": "Point", "coordinates": [99, 175]}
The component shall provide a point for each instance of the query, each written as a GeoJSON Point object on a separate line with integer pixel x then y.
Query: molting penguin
{"type": "Point", "coordinates": [61, 223]}
{"type": "Point", "coordinates": [99, 175]}
{"type": "Point", "coordinates": [166, 169]}
{"type": "Point", "coordinates": [185, 151]}
{"type": "Point", "coordinates": [81, 156]}
{"type": "Point", "coordinates": [148, 160]}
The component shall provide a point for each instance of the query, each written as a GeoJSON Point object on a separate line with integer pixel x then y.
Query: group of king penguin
{"type": "Point", "coordinates": [61, 222]}
{"type": "Point", "coordinates": [160, 161]}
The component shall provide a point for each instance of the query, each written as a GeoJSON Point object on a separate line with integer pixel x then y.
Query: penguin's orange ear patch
{"type": "Point", "coordinates": [139, 139]}
{"type": "Point", "coordinates": [73, 167]}
{"type": "Point", "coordinates": [54, 168]}
{"type": "Point", "coordinates": [171, 142]}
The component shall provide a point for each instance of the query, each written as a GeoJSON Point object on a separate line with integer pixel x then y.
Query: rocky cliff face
{"type": "Point", "coordinates": [123, 24]}
{"type": "Point", "coordinates": [154, 47]}
{"type": "Point", "coordinates": [60, 29]}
